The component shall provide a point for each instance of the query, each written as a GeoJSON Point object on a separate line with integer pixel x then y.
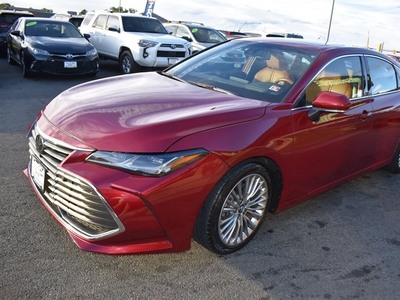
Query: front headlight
{"type": "Point", "coordinates": [147, 164]}
{"type": "Point", "coordinates": [147, 43]}
{"type": "Point", "coordinates": [36, 51]}
{"type": "Point", "coordinates": [91, 53]}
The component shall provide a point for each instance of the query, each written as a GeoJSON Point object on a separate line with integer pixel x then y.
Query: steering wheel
{"type": "Point", "coordinates": [284, 80]}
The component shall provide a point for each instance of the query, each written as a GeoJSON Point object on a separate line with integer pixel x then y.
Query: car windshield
{"type": "Point", "coordinates": [51, 29]}
{"type": "Point", "coordinates": [246, 68]}
{"type": "Point", "coordinates": [206, 35]}
{"type": "Point", "coordinates": [149, 25]}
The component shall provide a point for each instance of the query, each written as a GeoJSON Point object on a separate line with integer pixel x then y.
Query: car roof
{"type": "Point", "coordinates": [131, 15]}
{"type": "Point", "coordinates": [16, 12]}
{"type": "Point", "coordinates": [44, 19]}
{"type": "Point", "coordinates": [188, 24]}
{"type": "Point", "coordinates": [313, 46]}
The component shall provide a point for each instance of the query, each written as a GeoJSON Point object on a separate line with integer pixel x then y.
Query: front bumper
{"type": "Point", "coordinates": [60, 66]}
{"type": "Point", "coordinates": [109, 211]}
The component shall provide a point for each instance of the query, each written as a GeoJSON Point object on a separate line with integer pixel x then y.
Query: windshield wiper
{"type": "Point", "coordinates": [210, 87]}
{"type": "Point", "coordinates": [172, 76]}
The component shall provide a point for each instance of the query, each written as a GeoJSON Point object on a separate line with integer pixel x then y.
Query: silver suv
{"type": "Point", "coordinates": [198, 34]}
{"type": "Point", "coordinates": [134, 41]}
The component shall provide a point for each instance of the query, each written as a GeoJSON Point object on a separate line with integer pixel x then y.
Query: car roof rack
{"type": "Point", "coordinates": [186, 22]}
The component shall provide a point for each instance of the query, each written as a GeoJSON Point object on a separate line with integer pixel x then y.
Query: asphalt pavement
{"type": "Point", "coordinates": [343, 244]}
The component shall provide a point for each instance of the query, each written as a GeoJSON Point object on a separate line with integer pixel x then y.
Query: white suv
{"type": "Point", "coordinates": [134, 41]}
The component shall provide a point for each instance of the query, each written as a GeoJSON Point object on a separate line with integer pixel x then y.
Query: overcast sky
{"type": "Point", "coordinates": [354, 22]}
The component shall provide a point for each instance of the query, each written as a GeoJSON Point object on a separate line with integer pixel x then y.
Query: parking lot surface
{"type": "Point", "coordinates": [343, 244]}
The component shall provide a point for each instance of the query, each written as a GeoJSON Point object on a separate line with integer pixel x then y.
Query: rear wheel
{"type": "Point", "coordinates": [394, 165]}
{"type": "Point", "coordinates": [25, 69]}
{"type": "Point", "coordinates": [235, 209]}
{"type": "Point", "coordinates": [127, 64]}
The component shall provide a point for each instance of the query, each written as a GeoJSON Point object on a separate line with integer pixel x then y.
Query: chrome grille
{"type": "Point", "coordinates": [172, 46]}
{"type": "Point", "coordinates": [75, 201]}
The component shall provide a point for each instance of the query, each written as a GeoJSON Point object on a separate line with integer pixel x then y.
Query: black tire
{"type": "Point", "coordinates": [10, 60]}
{"type": "Point", "coordinates": [394, 165]}
{"type": "Point", "coordinates": [127, 64]}
{"type": "Point", "coordinates": [230, 218]}
{"type": "Point", "coordinates": [24, 68]}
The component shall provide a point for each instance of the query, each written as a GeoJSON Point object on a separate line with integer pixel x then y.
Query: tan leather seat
{"type": "Point", "coordinates": [328, 82]}
{"type": "Point", "coordinates": [274, 72]}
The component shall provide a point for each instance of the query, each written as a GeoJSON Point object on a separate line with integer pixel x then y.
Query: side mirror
{"type": "Point", "coordinates": [86, 36]}
{"type": "Point", "coordinates": [328, 102]}
{"type": "Point", "coordinates": [16, 33]}
{"type": "Point", "coordinates": [113, 28]}
{"type": "Point", "coordinates": [187, 38]}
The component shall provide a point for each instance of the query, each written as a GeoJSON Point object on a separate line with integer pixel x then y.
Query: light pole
{"type": "Point", "coordinates": [330, 22]}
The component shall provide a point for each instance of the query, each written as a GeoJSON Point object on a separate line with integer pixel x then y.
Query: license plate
{"type": "Point", "coordinates": [70, 64]}
{"type": "Point", "coordinates": [172, 61]}
{"type": "Point", "coordinates": [37, 173]}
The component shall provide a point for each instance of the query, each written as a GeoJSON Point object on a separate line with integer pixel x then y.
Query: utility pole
{"type": "Point", "coordinates": [330, 22]}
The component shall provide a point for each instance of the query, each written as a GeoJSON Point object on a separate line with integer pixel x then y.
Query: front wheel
{"type": "Point", "coordinates": [25, 69]}
{"type": "Point", "coordinates": [127, 64]}
{"type": "Point", "coordinates": [233, 212]}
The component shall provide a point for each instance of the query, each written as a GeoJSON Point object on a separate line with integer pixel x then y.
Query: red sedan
{"type": "Point", "coordinates": [143, 163]}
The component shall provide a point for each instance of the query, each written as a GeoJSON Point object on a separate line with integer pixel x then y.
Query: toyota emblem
{"type": "Point", "coordinates": [39, 144]}
{"type": "Point", "coordinates": [173, 46]}
{"type": "Point", "coordinates": [69, 56]}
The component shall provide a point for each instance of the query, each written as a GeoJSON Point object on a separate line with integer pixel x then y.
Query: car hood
{"type": "Point", "coordinates": [60, 45]}
{"type": "Point", "coordinates": [143, 112]}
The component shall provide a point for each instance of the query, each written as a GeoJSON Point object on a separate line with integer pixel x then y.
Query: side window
{"type": "Point", "coordinates": [100, 21]}
{"type": "Point", "coordinates": [171, 29]}
{"type": "Point", "coordinates": [113, 21]}
{"type": "Point", "coordinates": [381, 76]}
{"type": "Point", "coordinates": [182, 31]}
{"type": "Point", "coordinates": [87, 19]}
{"type": "Point", "coordinates": [343, 76]}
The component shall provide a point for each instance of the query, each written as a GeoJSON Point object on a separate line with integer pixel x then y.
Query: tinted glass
{"type": "Point", "coordinates": [381, 76]}
{"type": "Point", "coordinates": [206, 35]}
{"type": "Point", "coordinates": [51, 29]}
{"type": "Point", "coordinates": [234, 67]}
{"type": "Point", "coordinates": [342, 76]}
{"type": "Point", "coordinates": [7, 20]}
{"type": "Point", "coordinates": [132, 24]}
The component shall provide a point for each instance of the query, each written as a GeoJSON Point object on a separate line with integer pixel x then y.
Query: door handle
{"type": "Point", "coordinates": [364, 115]}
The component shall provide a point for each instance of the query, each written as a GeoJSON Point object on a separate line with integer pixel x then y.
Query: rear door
{"type": "Point", "coordinates": [111, 36]}
{"type": "Point", "coordinates": [97, 33]}
{"type": "Point", "coordinates": [383, 91]}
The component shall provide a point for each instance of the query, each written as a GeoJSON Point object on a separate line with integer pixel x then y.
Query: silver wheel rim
{"type": "Point", "coordinates": [243, 210]}
{"type": "Point", "coordinates": [126, 65]}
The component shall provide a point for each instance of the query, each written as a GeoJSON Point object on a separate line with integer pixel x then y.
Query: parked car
{"type": "Point", "coordinates": [43, 45]}
{"type": "Point", "coordinates": [7, 19]}
{"type": "Point", "coordinates": [285, 35]}
{"type": "Point", "coordinates": [134, 41]}
{"type": "Point", "coordinates": [142, 163]}
{"type": "Point", "coordinates": [74, 19]}
{"type": "Point", "coordinates": [232, 34]}
{"type": "Point", "coordinates": [395, 57]}
{"type": "Point", "coordinates": [198, 34]}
